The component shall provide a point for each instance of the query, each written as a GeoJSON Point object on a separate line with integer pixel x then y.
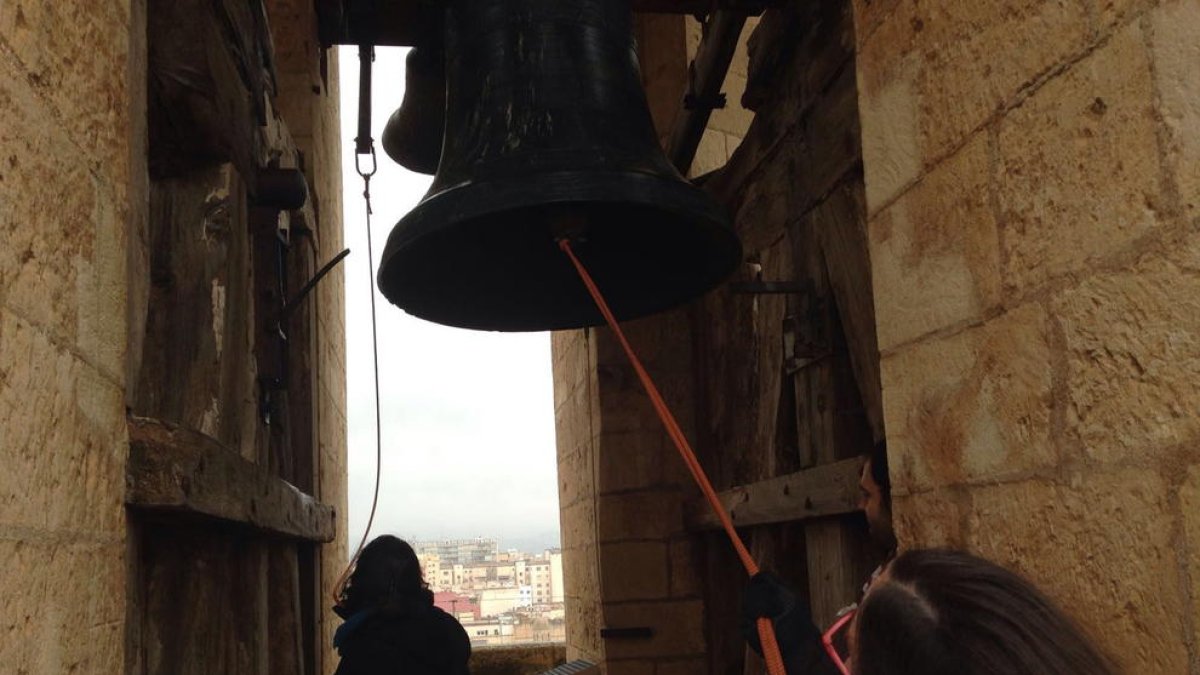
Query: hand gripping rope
{"type": "Point", "coordinates": [766, 631]}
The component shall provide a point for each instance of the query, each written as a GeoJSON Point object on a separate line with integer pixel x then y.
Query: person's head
{"type": "Point", "coordinates": [875, 497]}
{"type": "Point", "coordinates": [942, 612]}
{"type": "Point", "coordinates": [386, 573]}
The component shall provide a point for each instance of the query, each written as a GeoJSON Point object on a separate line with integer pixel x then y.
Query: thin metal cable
{"type": "Point", "coordinates": [340, 587]}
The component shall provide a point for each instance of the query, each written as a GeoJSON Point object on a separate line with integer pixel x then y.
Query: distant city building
{"type": "Point", "coordinates": [457, 605]}
{"type": "Point", "coordinates": [557, 589]}
{"type": "Point", "coordinates": [460, 551]}
{"type": "Point", "coordinates": [500, 597]}
{"type": "Point", "coordinates": [494, 602]}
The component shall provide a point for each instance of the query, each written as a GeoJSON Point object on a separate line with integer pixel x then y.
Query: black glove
{"type": "Point", "coordinates": [766, 596]}
{"type": "Point", "coordinates": [799, 640]}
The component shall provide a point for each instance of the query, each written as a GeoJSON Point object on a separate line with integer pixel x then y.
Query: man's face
{"type": "Point", "coordinates": [879, 516]}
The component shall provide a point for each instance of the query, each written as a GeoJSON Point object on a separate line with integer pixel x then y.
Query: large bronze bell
{"type": "Point", "coordinates": [413, 135]}
{"type": "Point", "coordinates": [548, 135]}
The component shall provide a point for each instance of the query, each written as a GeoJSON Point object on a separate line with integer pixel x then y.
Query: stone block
{"type": "Point", "coordinates": [1079, 173]}
{"type": "Point", "coordinates": [84, 609]}
{"type": "Point", "coordinates": [623, 404]}
{"type": "Point", "coordinates": [22, 604]}
{"type": "Point", "coordinates": [678, 627]}
{"type": "Point", "coordinates": [928, 76]}
{"type": "Point", "coordinates": [1189, 502]}
{"type": "Point", "coordinates": [935, 252]}
{"type": "Point", "coordinates": [711, 154]}
{"type": "Point", "coordinates": [294, 35]}
{"type": "Point", "coordinates": [583, 629]}
{"type": "Point", "coordinates": [1103, 548]}
{"type": "Point", "coordinates": [1133, 357]}
{"type": "Point", "coordinates": [1176, 52]}
{"type": "Point", "coordinates": [733, 118]}
{"type": "Point", "coordinates": [662, 342]}
{"type": "Point", "coordinates": [574, 425]}
{"type": "Point", "coordinates": [652, 514]}
{"type": "Point", "coordinates": [75, 54]}
{"type": "Point", "coordinates": [962, 82]}
{"type": "Point", "coordinates": [868, 15]}
{"type": "Point", "coordinates": [693, 31]}
{"type": "Point", "coordinates": [63, 607]}
{"type": "Point", "coordinates": [891, 150]}
{"type": "Point", "coordinates": [582, 567]}
{"type": "Point", "coordinates": [686, 560]}
{"type": "Point", "coordinates": [1111, 13]}
{"type": "Point", "coordinates": [634, 571]}
{"type": "Point", "coordinates": [578, 524]}
{"type": "Point", "coordinates": [928, 519]}
{"type": "Point", "coordinates": [64, 442]}
{"type": "Point", "coordinates": [62, 268]}
{"type": "Point", "coordinates": [576, 476]}
{"type": "Point", "coordinates": [972, 406]}
{"type": "Point", "coordinates": [634, 460]}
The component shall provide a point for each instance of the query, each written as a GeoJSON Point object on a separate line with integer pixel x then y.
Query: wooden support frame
{"type": "Point", "coordinates": [826, 490]}
{"type": "Point", "coordinates": [179, 473]}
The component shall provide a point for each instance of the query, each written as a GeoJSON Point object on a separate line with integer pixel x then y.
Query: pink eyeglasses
{"type": "Point", "coordinates": [832, 634]}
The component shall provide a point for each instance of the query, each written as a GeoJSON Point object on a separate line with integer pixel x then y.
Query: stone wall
{"type": "Point", "coordinates": [73, 296]}
{"type": "Point", "coordinates": [1034, 199]}
{"type": "Point", "coordinates": [575, 395]}
{"type": "Point", "coordinates": [71, 83]}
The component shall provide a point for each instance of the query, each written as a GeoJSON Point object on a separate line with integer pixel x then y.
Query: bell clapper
{"type": "Point", "coordinates": [570, 227]}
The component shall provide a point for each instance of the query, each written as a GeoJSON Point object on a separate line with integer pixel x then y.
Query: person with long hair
{"type": "Point", "coordinates": [938, 612]}
{"type": "Point", "coordinates": [391, 626]}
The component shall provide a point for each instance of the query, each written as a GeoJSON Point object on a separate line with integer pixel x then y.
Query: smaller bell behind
{"type": "Point", "coordinates": [413, 135]}
{"type": "Point", "coordinates": [548, 134]}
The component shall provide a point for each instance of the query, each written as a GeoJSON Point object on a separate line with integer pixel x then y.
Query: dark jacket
{"type": "Point", "coordinates": [414, 639]}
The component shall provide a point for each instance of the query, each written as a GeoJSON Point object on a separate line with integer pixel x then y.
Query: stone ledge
{"type": "Point", "coordinates": [184, 474]}
{"type": "Point", "coordinates": [517, 660]}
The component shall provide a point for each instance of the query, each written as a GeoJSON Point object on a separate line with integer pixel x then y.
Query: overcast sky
{"type": "Point", "coordinates": [468, 420]}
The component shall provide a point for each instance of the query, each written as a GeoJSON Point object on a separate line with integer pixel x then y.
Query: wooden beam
{"type": "Point", "coordinates": [826, 490]}
{"type": "Point", "coordinates": [178, 472]}
{"type": "Point", "coordinates": [708, 70]}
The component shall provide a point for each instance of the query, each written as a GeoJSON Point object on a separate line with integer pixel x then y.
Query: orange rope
{"type": "Point", "coordinates": [766, 631]}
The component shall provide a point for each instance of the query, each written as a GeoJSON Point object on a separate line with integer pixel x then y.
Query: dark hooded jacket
{"type": "Point", "coordinates": [411, 638]}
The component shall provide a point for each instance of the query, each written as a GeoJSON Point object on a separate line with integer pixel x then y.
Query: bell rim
{"type": "Point", "coordinates": [464, 203]}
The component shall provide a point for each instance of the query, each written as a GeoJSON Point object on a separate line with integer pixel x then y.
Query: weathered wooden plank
{"type": "Point", "coordinates": [826, 490]}
{"type": "Point", "coordinates": [204, 608]}
{"type": "Point", "coordinates": [841, 224]}
{"type": "Point", "coordinates": [198, 327]}
{"type": "Point", "coordinates": [833, 429]}
{"type": "Point", "coordinates": [707, 75]}
{"type": "Point", "coordinates": [838, 566]}
{"type": "Point", "coordinates": [285, 626]}
{"type": "Point", "coordinates": [207, 80]}
{"type": "Point", "coordinates": [176, 471]}
{"type": "Point", "coordinates": [797, 54]}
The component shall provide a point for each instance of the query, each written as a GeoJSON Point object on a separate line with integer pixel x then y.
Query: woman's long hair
{"type": "Point", "coordinates": [943, 612]}
{"type": "Point", "coordinates": [387, 575]}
